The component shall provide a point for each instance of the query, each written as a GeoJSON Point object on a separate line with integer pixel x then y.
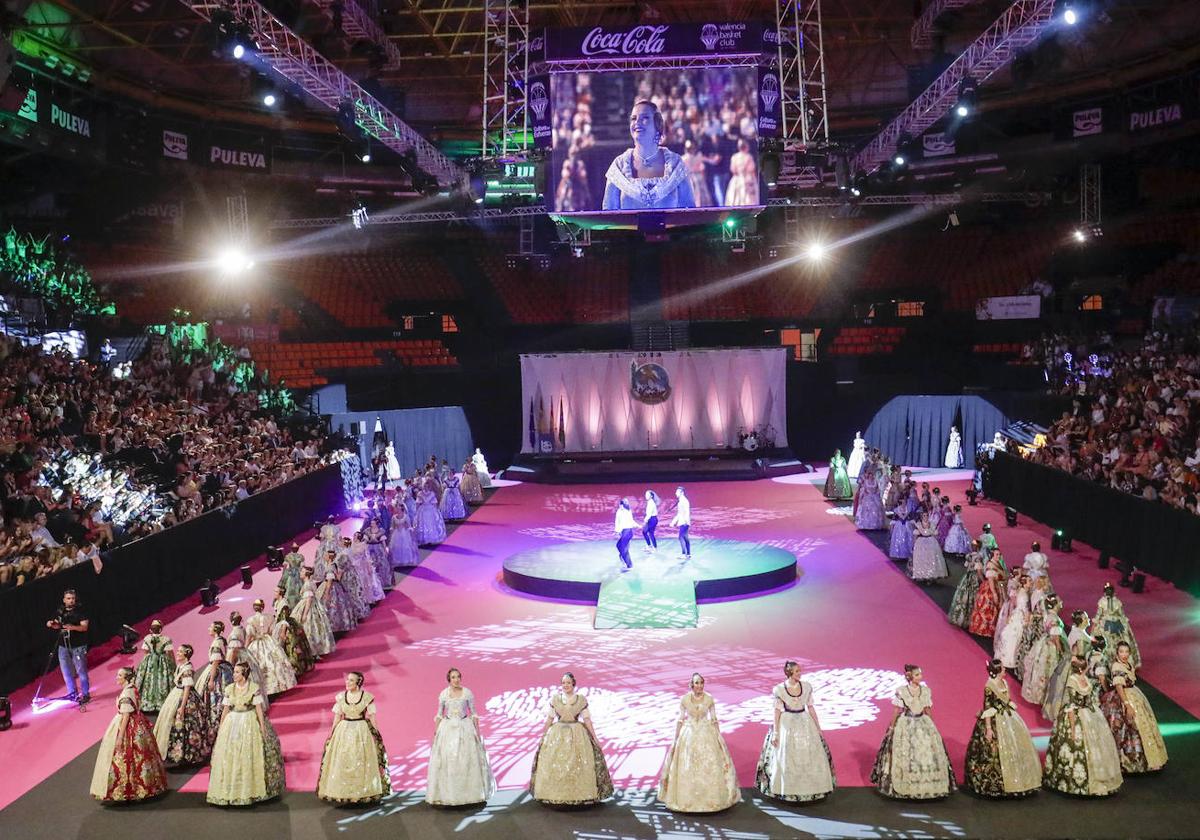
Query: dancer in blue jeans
{"type": "Point", "coordinates": [72, 624]}
{"type": "Point", "coordinates": [650, 523]}
{"type": "Point", "coordinates": [683, 521]}
{"type": "Point", "coordinates": [624, 526]}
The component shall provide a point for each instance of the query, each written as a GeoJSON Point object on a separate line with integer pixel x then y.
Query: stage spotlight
{"type": "Point", "coordinates": [247, 577]}
{"type": "Point", "coordinates": [1079, 236]}
{"type": "Point", "coordinates": [816, 251]}
{"type": "Point", "coordinates": [899, 159]}
{"type": "Point", "coordinates": [5, 713]}
{"type": "Point", "coordinates": [731, 223]}
{"type": "Point", "coordinates": [208, 594]}
{"type": "Point", "coordinates": [1070, 16]}
{"type": "Point", "coordinates": [1010, 517]}
{"type": "Point", "coordinates": [233, 260]}
{"type": "Point", "coordinates": [1060, 541]}
{"type": "Point", "coordinates": [238, 50]}
{"type": "Point", "coordinates": [129, 639]}
{"type": "Point", "coordinates": [962, 110]}
{"type": "Point", "coordinates": [269, 99]}
{"type": "Point", "coordinates": [274, 558]}
{"type": "Point", "coordinates": [972, 497]}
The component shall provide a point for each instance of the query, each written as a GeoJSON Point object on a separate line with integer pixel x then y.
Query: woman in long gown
{"type": "Point", "coordinates": [335, 599]}
{"type": "Point", "coordinates": [1043, 657]}
{"type": "Point", "coordinates": [247, 762]}
{"type": "Point", "coordinates": [402, 545]}
{"type": "Point", "coordinates": [1078, 644]}
{"type": "Point", "coordinates": [963, 602]}
{"type": "Point", "coordinates": [453, 508]}
{"type": "Point", "coordinates": [459, 770]}
{"type": "Point", "coordinates": [795, 764]}
{"type": "Point", "coordinates": [429, 527]}
{"type": "Point", "coordinates": [912, 762]}
{"type": "Point", "coordinates": [154, 672]}
{"type": "Point", "coordinates": [311, 614]}
{"type": "Point", "coordinates": [568, 767]}
{"type": "Point", "coordinates": [1035, 623]}
{"type": "Point", "coordinates": [900, 543]}
{"type": "Point", "coordinates": [1008, 639]}
{"type": "Point", "coordinates": [481, 469]}
{"type": "Point", "coordinates": [698, 776]}
{"type": "Point", "coordinates": [945, 522]}
{"type": "Point", "coordinates": [837, 482]}
{"type": "Point", "coordinates": [213, 677]}
{"type": "Point", "coordinates": [958, 540]}
{"type": "Point", "coordinates": [1009, 596]}
{"type": "Point", "coordinates": [349, 573]}
{"type": "Point", "coordinates": [293, 562]}
{"type": "Point", "coordinates": [1002, 761]}
{"type": "Point", "coordinates": [277, 672]}
{"type": "Point", "coordinates": [472, 490]}
{"type": "Point", "coordinates": [743, 178]}
{"type": "Point", "coordinates": [1112, 623]}
{"type": "Point", "coordinates": [868, 505]}
{"type": "Point", "coordinates": [181, 730]}
{"type": "Point", "coordinates": [987, 600]}
{"type": "Point", "coordinates": [693, 159]}
{"type": "Point", "coordinates": [927, 561]}
{"type": "Point", "coordinates": [290, 635]}
{"type": "Point", "coordinates": [377, 551]}
{"type": "Point", "coordinates": [858, 454]}
{"type": "Point", "coordinates": [954, 453]}
{"type": "Point", "coordinates": [1082, 758]}
{"type": "Point", "coordinates": [370, 587]}
{"type": "Point", "coordinates": [128, 767]}
{"type": "Point", "coordinates": [354, 766]}
{"type": "Point", "coordinates": [1130, 717]}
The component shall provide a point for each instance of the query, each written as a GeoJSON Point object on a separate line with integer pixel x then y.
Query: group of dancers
{"type": "Point", "coordinates": [625, 524]}
{"type": "Point", "coordinates": [219, 715]}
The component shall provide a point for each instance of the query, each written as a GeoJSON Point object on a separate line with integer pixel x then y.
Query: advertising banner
{"type": "Point", "coordinates": [937, 144]}
{"type": "Point", "coordinates": [246, 152]}
{"type": "Point", "coordinates": [240, 333]}
{"type": "Point", "coordinates": [770, 103]}
{"type": "Point", "coordinates": [667, 40]}
{"type": "Point", "coordinates": [1159, 106]}
{"type": "Point", "coordinates": [1011, 307]}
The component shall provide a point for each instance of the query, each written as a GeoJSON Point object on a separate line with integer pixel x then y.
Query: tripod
{"type": "Point", "coordinates": [37, 694]}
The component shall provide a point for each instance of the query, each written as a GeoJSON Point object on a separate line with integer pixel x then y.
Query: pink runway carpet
{"type": "Point", "coordinates": [852, 618]}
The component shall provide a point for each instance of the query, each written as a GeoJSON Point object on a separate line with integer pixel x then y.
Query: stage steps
{"type": "Point", "coordinates": [632, 600]}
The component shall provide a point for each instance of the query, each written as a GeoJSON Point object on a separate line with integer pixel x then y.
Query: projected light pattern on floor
{"type": "Point", "coordinates": [633, 682]}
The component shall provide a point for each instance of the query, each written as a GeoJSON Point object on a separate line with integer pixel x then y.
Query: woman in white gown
{"type": "Point", "coordinates": [912, 762]}
{"type": "Point", "coordinates": [311, 614]}
{"type": "Point", "coordinates": [354, 766]}
{"type": "Point", "coordinates": [247, 761]}
{"type": "Point", "coordinates": [927, 562]}
{"type": "Point", "coordinates": [858, 454]}
{"type": "Point", "coordinates": [954, 453]}
{"type": "Point", "coordinates": [277, 672]}
{"type": "Point", "coordinates": [459, 771]}
{"type": "Point", "coordinates": [392, 465]}
{"type": "Point", "coordinates": [402, 545]}
{"type": "Point", "coordinates": [1009, 638]}
{"type": "Point", "coordinates": [795, 764]}
{"type": "Point", "coordinates": [481, 469]}
{"type": "Point", "coordinates": [698, 776]}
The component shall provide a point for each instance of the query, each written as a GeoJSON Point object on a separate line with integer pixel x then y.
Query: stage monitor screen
{"type": "Point", "coordinates": [605, 158]}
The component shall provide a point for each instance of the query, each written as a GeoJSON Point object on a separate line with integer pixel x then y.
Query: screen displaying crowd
{"type": "Point", "coordinates": [1135, 419]}
{"type": "Point", "coordinates": [88, 460]}
{"type": "Point", "coordinates": [703, 123]}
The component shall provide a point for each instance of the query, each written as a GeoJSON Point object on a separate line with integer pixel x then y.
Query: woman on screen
{"type": "Point", "coordinates": [743, 181]}
{"type": "Point", "coordinates": [648, 176]}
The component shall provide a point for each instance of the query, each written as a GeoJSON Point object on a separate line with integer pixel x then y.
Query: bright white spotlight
{"type": "Point", "coordinates": [269, 100]}
{"type": "Point", "coordinates": [962, 110]}
{"type": "Point", "coordinates": [1070, 17]}
{"type": "Point", "coordinates": [1079, 235]}
{"type": "Point", "coordinates": [366, 157]}
{"type": "Point", "coordinates": [855, 191]}
{"type": "Point", "coordinates": [233, 260]}
{"type": "Point", "coordinates": [238, 51]}
{"type": "Point", "coordinates": [816, 250]}
{"type": "Point", "coordinates": [899, 160]}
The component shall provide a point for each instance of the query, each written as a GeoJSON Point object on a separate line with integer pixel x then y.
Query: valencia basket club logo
{"type": "Point", "coordinates": [538, 100]}
{"type": "Point", "coordinates": [769, 91]}
{"type": "Point", "coordinates": [709, 36]}
{"type": "Point", "coordinates": [649, 383]}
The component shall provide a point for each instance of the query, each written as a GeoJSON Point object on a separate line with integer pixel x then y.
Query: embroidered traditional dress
{"type": "Point", "coordinates": [858, 454]}
{"type": "Point", "coordinates": [290, 579]}
{"type": "Point", "coordinates": [153, 676]}
{"type": "Point", "coordinates": [900, 544]}
{"type": "Point", "coordinates": [1010, 637]}
{"type": "Point", "coordinates": [336, 601]}
{"type": "Point", "coordinates": [944, 524]}
{"type": "Point", "coordinates": [837, 482]}
{"type": "Point", "coordinates": [183, 737]}
{"type": "Point", "coordinates": [453, 507]}
{"type": "Point", "coordinates": [311, 614]}
{"type": "Point", "coordinates": [277, 671]}
{"type": "Point", "coordinates": [294, 641]}
{"type": "Point", "coordinates": [459, 770]}
{"type": "Point", "coordinates": [1006, 764]}
{"type": "Point", "coordinates": [1112, 623]}
{"type": "Point", "coordinates": [698, 776]}
{"type": "Point", "coordinates": [963, 602]}
{"type": "Point", "coordinates": [211, 682]}
{"type": "Point", "coordinates": [1035, 628]}
{"type": "Point", "coordinates": [429, 527]}
{"type": "Point", "coordinates": [623, 190]}
{"type": "Point", "coordinates": [958, 541]}
{"type": "Point", "coordinates": [247, 762]}
{"type": "Point", "coordinates": [1082, 758]}
{"type": "Point", "coordinates": [128, 765]}
{"type": "Point", "coordinates": [800, 769]}
{"type": "Point", "coordinates": [1043, 658]}
{"type": "Point", "coordinates": [912, 762]}
{"type": "Point", "coordinates": [568, 767]}
{"type": "Point", "coordinates": [954, 452]}
{"type": "Point", "coordinates": [1135, 729]}
{"type": "Point", "coordinates": [348, 571]}
{"type": "Point", "coordinates": [1006, 607]}
{"type": "Point", "coordinates": [1056, 686]}
{"type": "Point", "coordinates": [402, 545]}
{"type": "Point", "coordinates": [370, 584]}
{"type": "Point", "coordinates": [987, 601]}
{"type": "Point", "coordinates": [381, 562]}
{"type": "Point", "coordinates": [927, 562]}
{"type": "Point", "coordinates": [472, 490]}
{"type": "Point", "coordinates": [354, 767]}
{"type": "Point", "coordinates": [868, 505]}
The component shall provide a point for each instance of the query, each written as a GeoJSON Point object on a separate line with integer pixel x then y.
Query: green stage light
{"type": "Point", "coordinates": [731, 223]}
{"type": "Point", "coordinates": [1170, 730]}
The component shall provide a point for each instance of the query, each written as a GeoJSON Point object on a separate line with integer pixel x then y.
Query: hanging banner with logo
{"type": "Point", "coordinates": [245, 152]}
{"type": "Point", "coordinates": [58, 108]}
{"type": "Point", "coordinates": [668, 40]}
{"type": "Point", "coordinates": [541, 111]}
{"type": "Point", "coordinates": [770, 103]}
{"type": "Point", "coordinates": [1087, 119]}
{"type": "Point", "coordinates": [1010, 307]}
{"type": "Point", "coordinates": [175, 142]}
{"type": "Point", "coordinates": [1160, 105]}
{"type": "Point", "coordinates": [937, 144]}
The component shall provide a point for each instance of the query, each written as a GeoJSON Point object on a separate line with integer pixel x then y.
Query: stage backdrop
{"type": "Point", "coordinates": [914, 430]}
{"type": "Point", "coordinates": [416, 433]}
{"type": "Point", "coordinates": [630, 402]}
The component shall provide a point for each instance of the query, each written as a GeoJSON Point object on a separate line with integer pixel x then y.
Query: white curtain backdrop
{"type": "Point", "coordinates": [714, 394]}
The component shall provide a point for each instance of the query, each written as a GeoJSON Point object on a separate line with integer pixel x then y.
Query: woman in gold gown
{"type": "Point", "coordinates": [354, 767]}
{"type": "Point", "coordinates": [568, 767]}
{"type": "Point", "coordinates": [247, 762]}
{"type": "Point", "coordinates": [698, 775]}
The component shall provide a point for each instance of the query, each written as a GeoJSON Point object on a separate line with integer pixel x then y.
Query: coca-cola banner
{"type": "Point", "coordinates": [665, 40]}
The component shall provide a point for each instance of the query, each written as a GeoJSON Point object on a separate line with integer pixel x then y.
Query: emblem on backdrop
{"type": "Point", "coordinates": [709, 36]}
{"type": "Point", "coordinates": [649, 383]}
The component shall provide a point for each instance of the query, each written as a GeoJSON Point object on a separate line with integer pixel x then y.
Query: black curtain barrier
{"type": "Point", "coordinates": [146, 575]}
{"type": "Point", "coordinates": [1155, 537]}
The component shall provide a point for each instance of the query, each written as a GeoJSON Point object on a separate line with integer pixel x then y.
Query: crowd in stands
{"type": "Point", "coordinates": [89, 459]}
{"type": "Point", "coordinates": [1135, 420]}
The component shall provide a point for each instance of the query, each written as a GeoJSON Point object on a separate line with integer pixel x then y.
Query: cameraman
{"type": "Point", "coordinates": [72, 624]}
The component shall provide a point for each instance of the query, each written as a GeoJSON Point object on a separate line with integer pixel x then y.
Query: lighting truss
{"type": "Point", "coordinates": [1089, 196]}
{"type": "Point", "coordinates": [922, 30]}
{"type": "Point", "coordinates": [505, 79]}
{"type": "Point", "coordinates": [1018, 27]}
{"type": "Point", "coordinates": [358, 24]}
{"type": "Point", "coordinates": [606, 64]}
{"type": "Point", "coordinates": [296, 60]}
{"type": "Point", "coordinates": [801, 66]}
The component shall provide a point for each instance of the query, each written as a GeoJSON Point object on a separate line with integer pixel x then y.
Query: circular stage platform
{"type": "Point", "coordinates": [718, 568]}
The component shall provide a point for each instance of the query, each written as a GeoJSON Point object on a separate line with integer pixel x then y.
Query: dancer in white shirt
{"type": "Point", "coordinates": [624, 526]}
{"type": "Point", "coordinates": [650, 523]}
{"type": "Point", "coordinates": [683, 520]}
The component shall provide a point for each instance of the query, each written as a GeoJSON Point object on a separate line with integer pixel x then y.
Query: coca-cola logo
{"type": "Point", "coordinates": [640, 40]}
